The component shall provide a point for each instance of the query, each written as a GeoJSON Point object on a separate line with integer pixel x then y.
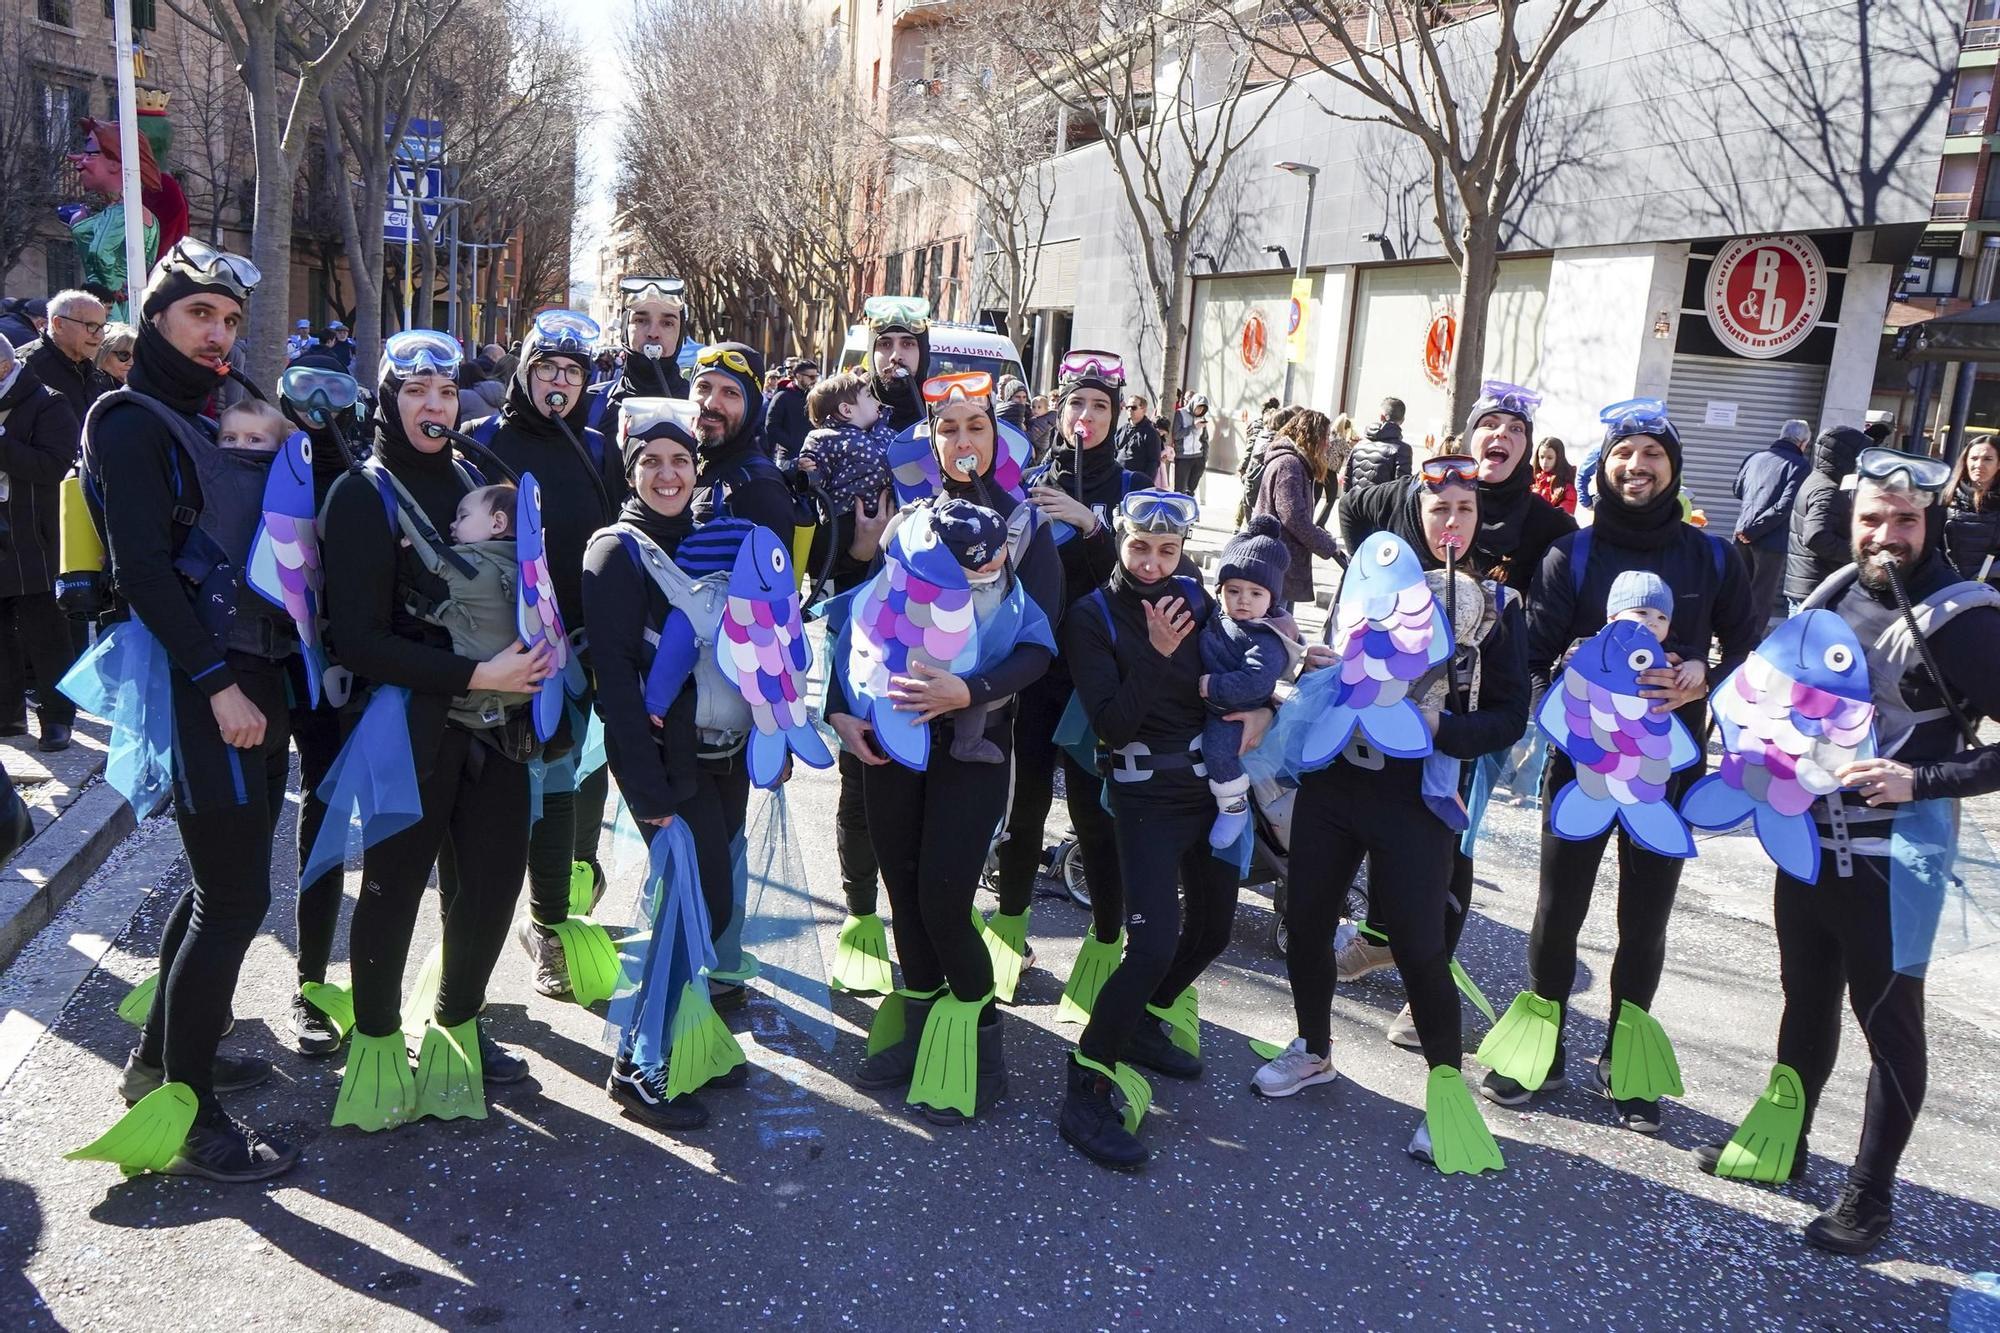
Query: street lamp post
{"type": "Point", "coordinates": [1305, 236]}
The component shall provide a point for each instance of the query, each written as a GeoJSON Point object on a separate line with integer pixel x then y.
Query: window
{"type": "Point", "coordinates": [62, 105]}
{"type": "Point", "coordinates": [59, 12]}
{"type": "Point", "coordinates": [892, 276]}
{"type": "Point", "coordinates": [920, 271]}
{"type": "Point", "coordinates": [59, 263]}
{"type": "Point", "coordinates": [142, 14]}
{"type": "Point", "coordinates": [937, 276]}
{"type": "Point", "coordinates": [1930, 275]}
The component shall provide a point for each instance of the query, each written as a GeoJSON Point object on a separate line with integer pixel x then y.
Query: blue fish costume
{"type": "Point", "coordinates": [1796, 711]}
{"type": "Point", "coordinates": [1389, 631]}
{"type": "Point", "coordinates": [537, 616]}
{"type": "Point", "coordinates": [762, 648]}
{"type": "Point", "coordinates": [1624, 752]}
{"type": "Point", "coordinates": [284, 555]}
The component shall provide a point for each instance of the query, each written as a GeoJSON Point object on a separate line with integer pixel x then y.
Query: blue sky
{"type": "Point", "coordinates": [597, 25]}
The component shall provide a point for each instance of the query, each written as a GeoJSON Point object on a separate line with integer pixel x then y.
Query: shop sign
{"type": "Point", "coordinates": [1440, 341]}
{"type": "Point", "coordinates": [1765, 295]}
{"type": "Point", "coordinates": [1255, 342]}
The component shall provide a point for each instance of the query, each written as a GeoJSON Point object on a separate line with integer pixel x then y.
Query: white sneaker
{"type": "Point", "coordinates": [1420, 1145]}
{"type": "Point", "coordinates": [1361, 957]}
{"type": "Point", "coordinates": [1403, 1031]}
{"type": "Point", "coordinates": [1296, 1068]}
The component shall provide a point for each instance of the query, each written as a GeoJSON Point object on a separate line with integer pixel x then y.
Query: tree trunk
{"type": "Point", "coordinates": [265, 321]}
{"type": "Point", "coordinates": [1477, 278]}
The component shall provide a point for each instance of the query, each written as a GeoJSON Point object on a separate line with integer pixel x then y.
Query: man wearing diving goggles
{"type": "Point", "coordinates": [655, 327]}
{"type": "Point", "coordinates": [899, 354]}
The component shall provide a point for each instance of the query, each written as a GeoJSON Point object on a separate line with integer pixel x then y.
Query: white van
{"type": "Point", "coordinates": [954, 347]}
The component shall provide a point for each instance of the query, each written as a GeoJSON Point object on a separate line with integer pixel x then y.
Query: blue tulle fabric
{"type": "Point", "coordinates": [371, 790]}
{"type": "Point", "coordinates": [126, 679]}
{"type": "Point", "coordinates": [661, 962]}
{"type": "Point", "coordinates": [730, 958]}
{"type": "Point", "coordinates": [1944, 886]}
{"type": "Point", "coordinates": [781, 924]}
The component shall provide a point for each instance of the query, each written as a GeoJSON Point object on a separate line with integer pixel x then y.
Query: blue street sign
{"type": "Point", "coordinates": [427, 185]}
{"type": "Point", "coordinates": [422, 142]}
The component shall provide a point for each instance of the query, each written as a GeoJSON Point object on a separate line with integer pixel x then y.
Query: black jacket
{"type": "Point", "coordinates": [1768, 485]}
{"type": "Point", "coordinates": [1711, 604]}
{"type": "Point", "coordinates": [1381, 456]}
{"type": "Point", "coordinates": [1131, 693]}
{"type": "Point", "coordinates": [1821, 539]}
{"type": "Point", "coordinates": [38, 446]}
{"type": "Point", "coordinates": [785, 423]}
{"type": "Point", "coordinates": [1139, 448]}
{"type": "Point", "coordinates": [80, 384]}
{"type": "Point", "coordinates": [1972, 531]}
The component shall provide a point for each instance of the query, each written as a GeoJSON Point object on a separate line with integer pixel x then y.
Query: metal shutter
{"type": "Point", "coordinates": [1766, 393]}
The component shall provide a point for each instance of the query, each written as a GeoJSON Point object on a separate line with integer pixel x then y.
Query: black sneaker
{"type": "Point", "coordinates": [1855, 1225]}
{"type": "Point", "coordinates": [231, 1073]}
{"type": "Point", "coordinates": [727, 996]}
{"type": "Point", "coordinates": [1502, 1091]}
{"type": "Point", "coordinates": [1708, 1156]}
{"type": "Point", "coordinates": [497, 1064]}
{"type": "Point", "coordinates": [315, 1035]}
{"type": "Point", "coordinates": [14, 727]}
{"type": "Point", "coordinates": [229, 1151]}
{"type": "Point", "coordinates": [55, 738]}
{"type": "Point", "coordinates": [642, 1095]}
{"type": "Point", "coordinates": [735, 1078]}
{"type": "Point", "coordinates": [1151, 1048]}
{"type": "Point", "coordinates": [1091, 1122]}
{"type": "Point", "coordinates": [1637, 1115]}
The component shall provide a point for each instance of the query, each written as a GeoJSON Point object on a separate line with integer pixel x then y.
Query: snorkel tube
{"type": "Point", "coordinates": [476, 451]}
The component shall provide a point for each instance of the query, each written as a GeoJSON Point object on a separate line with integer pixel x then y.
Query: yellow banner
{"type": "Point", "coordinates": [1299, 319]}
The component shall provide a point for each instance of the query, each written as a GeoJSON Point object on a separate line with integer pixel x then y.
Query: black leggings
{"type": "Point", "coordinates": [1036, 755]}
{"type": "Point", "coordinates": [317, 732]}
{"type": "Point", "coordinates": [569, 830]}
{"type": "Point", "coordinates": [1164, 851]}
{"type": "Point", "coordinates": [850, 839]}
{"type": "Point", "coordinates": [1457, 910]}
{"type": "Point", "coordinates": [40, 632]}
{"type": "Point", "coordinates": [931, 832]}
{"type": "Point", "coordinates": [1409, 879]}
{"type": "Point", "coordinates": [1187, 474]}
{"type": "Point", "coordinates": [474, 829]}
{"type": "Point", "coordinates": [227, 803]}
{"type": "Point", "coordinates": [714, 816]}
{"type": "Point", "coordinates": [1834, 935]}
{"type": "Point", "coordinates": [1647, 883]}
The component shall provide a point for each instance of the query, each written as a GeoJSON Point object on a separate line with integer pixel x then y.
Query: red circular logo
{"type": "Point", "coordinates": [1440, 341]}
{"type": "Point", "coordinates": [1256, 340]}
{"type": "Point", "coordinates": [1765, 295]}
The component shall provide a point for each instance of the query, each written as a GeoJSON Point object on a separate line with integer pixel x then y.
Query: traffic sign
{"type": "Point", "coordinates": [427, 185]}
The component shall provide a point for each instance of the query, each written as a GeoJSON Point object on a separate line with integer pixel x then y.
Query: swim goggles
{"type": "Point", "coordinates": [910, 313]}
{"type": "Point", "coordinates": [206, 264]}
{"type": "Point", "coordinates": [1449, 470]}
{"type": "Point", "coordinates": [960, 387]}
{"type": "Point", "coordinates": [635, 290]}
{"type": "Point", "coordinates": [1081, 363]}
{"type": "Point", "coordinates": [729, 358]}
{"type": "Point", "coordinates": [318, 395]}
{"type": "Point", "coordinates": [639, 417]}
{"type": "Point", "coordinates": [1637, 416]}
{"type": "Point", "coordinates": [422, 352]}
{"type": "Point", "coordinates": [1500, 396]}
{"type": "Point", "coordinates": [1157, 511]}
{"type": "Point", "coordinates": [1917, 472]}
{"type": "Point", "coordinates": [569, 331]}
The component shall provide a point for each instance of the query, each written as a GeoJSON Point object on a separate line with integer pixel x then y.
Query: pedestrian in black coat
{"type": "Point", "coordinates": [38, 443]}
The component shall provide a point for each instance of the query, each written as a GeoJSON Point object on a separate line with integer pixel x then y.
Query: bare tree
{"type": "Point", "coordinates": [1175, 100]}
{"type": "Point", "coordinates": [1459, 79]}
{"type": "Point", "coordinates": [211, 143]}
{"type": "Point", "coordinates": [34, 139]}
{"type": "Point", "coordinates": [282, 81]}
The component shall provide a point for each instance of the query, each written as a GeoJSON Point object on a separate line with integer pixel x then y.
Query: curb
{"type": "Point", "coordinates": [47, 872]}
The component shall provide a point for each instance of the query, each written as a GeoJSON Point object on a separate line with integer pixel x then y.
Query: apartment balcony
{"type": "Point", "coordinates": [1952, 207]}
{"type": "Point", "coordinates": [1981, 35]}
{"type": "Point", "coordinates": [1966, 121]}
{"type": "Point", "coordinates": [914, 11]}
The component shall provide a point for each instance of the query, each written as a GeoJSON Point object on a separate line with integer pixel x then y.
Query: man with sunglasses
{"type": "Point", "coordinates": [65, 358]}
{"type": "Point", "coordinates": [655, 327]}
{"type": "Point", "coordinates": [737, 477]}
{"type": "Point", "coordinates": [1878, 912]}
{"type": "Point", "coordinates": [899, 354]}
{"type": "Point", "coordinates": [178, 514]}
{"type": "Point", "coordinates": [1638, 527]}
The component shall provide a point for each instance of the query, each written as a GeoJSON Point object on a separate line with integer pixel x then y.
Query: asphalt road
{"type": "Point", "coordinates": [808, 1204]}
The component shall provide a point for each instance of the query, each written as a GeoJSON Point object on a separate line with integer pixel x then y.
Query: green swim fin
{"type": "Point", "coordinates": [149, 1136]}
{"type": "Point", "coordinates": [1006, 938]}
{"type": "Point", "coordinates": [702, 1047]}
{"type": "Point", "coordinates": [1266, 1050]}
{"type": "Point", "coordinates": [741, 976]}
{"type": "Point", "coordinates": [378, 1091]}
{"type": "Point", "coordinates": [1461, 1144]}
{"type": "Point", "coordinates": [1522, 1045]}
{"type": "Point", "coordinates": [451, 1082]}
{"type": "Point", "coordinates": [1471, 991]}
{"type": "Point", "coordinates": [1095, 962]}
{"type": "Point", "coordinates": [1183, 1018]}
{"type": "Point", "coordinates": [1763, 1147]}
{"type": "Point", "coordinates": [582, 888]}
{"type": "Point", "coordinates": [423, 999]}
{"type": "Point", "coordinates": [1133, 1090]}
{"type": "Point", "coordinates": [861, 957]}
{"type": "Point", "coordinates": [947, 1072]}
{"type": "Point", "coordinates": [336, 1002]}
{"type": "Point", "coordinates": [137, 1006]}
{"type": "Point", "coordinates": [1642, 1059]}
{"type": "Point", "coordinates": [591, 957]}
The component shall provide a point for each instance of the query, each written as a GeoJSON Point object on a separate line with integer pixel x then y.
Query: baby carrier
{"type": "Point", "coordinates": [722, 716]}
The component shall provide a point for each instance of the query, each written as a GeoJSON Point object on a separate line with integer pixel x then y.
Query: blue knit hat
{"type": "Point", "coordinates": [1256, 555]}
{"type": "Point", "coordinates": [1637, 588]}
{"type": "Point", "coordinates": [972, 533]}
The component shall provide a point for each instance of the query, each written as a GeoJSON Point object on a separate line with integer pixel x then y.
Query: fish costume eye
{"type": "Point", "coordinates": [1640, 659]}
{"type": "Point", "coordinates": [1385, 554]}
{"type": "Point", "coordinates": [1838, 658]}
{"type": "Point", "coordinates": [306, 450]}
{"type": "Point", "coordinates": [777, 561]}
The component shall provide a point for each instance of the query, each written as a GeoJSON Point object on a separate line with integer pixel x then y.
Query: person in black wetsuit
{"type": "Point", "coordinates": [1516, 528]}
{"type": "Point", "coordinates": [1136, 660]}
{"type": "Point", "coordinates": [931, 828]}
{"type": "Point", "coordinates": [1853, 930]}
{"type": "Point", "coordinates": [157, 461]}
{"type": "Point", "coordinates": [1366, 804]}
{"type": "Point", "coordinates": [581, 489]}
{"type": "Point", "coordinates": [472, 784]}
{"type": "Point", "coordinates": [1638, 526]}
{"type": "Point", "coordinates": [1078, 490]}
{"type": "Point", "coordinates": [665, 769]}
{"type": "Point", "coordinates": [315, 392]}
{"type": "Point", "coordinates": [655, 328]}
{"type": "Point", "coordinates": [899, 354]}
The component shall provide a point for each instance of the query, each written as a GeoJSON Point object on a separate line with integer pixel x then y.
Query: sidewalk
{"type": "Point", "coordinates": [78, 820]}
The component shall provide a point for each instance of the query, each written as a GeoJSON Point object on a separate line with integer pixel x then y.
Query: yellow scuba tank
{"type": "Point", "coordinates": [80, 582]}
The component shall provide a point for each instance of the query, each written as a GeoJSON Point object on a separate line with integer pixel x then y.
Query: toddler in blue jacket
{"type": "Point", "coordinates": [1244, 655]}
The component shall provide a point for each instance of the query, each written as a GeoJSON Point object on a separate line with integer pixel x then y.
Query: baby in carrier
{"type": "Point", "coordinates": [1245, 652]}
{"type": "Point", "coordinates": [977, 538]}
{"type": "Point", "coordinates": [479, 607]}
